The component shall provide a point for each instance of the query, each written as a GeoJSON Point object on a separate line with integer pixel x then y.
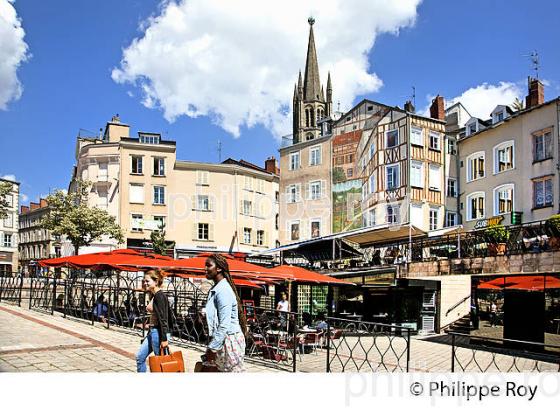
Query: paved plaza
{"type": "Point", "coordinates": [32, 341]}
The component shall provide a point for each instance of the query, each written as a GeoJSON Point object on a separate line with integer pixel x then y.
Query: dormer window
{"type": "Point", "coordinates": [149, 139]}
{"type": "Point", "coordinates": [499, 117]}
{"type": "Point", "coordinates": [472, 128]}
{"type": "Point", "coordinates": [499, 114]}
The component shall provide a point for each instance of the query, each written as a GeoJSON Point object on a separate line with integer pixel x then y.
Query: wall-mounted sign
{"type": "Point", "coordinates": [487, 223]}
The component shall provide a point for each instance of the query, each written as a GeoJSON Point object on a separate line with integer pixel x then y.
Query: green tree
{"type": "Point", "coordinates": [69, 215]}
{"type": "Point", "coordinates": [159, 244]}
{"type": "Point", "coordinates": [5, 189]}
{"type": "Point", "coordinates": [338, 175]}
{"type": "Point", "coordinates": [517, 105]}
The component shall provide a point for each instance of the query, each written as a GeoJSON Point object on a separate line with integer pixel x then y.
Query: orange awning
{"type": "Point", "coordinates": [522, 282]}
{"type": "Point", "coordinates": [299, 274]}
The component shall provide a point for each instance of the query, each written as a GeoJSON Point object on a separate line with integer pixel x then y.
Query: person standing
{"type": "Point", "coordinates": [159, 331]}
{"type": "Point", "coordinates": [283, 307]}
{"type": "Point", "coordinates": [226, 320]}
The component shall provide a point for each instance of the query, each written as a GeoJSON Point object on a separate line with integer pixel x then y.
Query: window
{"type": "Point", "coordinates": [137, 222]}
{"type": "Point", "coordinates": [349, 172]}
{"type": "Point", "coordinates": [542, 192]}
{"type": "Point", "coordinates": [472, 128]}
{"type": "Point", "coordinates": [542, 146]}
{"type": "Point", "coordinates": [416, 136]}
{"type": "Point", "coordinates": [451, 146]}
{"type": "Point", "coordinates": [315, 229]}
{"type": "Point", "coordinates": [435, 177]}
{"type": "Point", "coordinates": [314, 156]}
{"type": "Point", "coordinates": [136, 193]}
{"type": "Point", "coordinates": [499, 116]}
{"type": "Point", "coordinates": [102, 199]}
{"type": "Point", "coordinates": [294, 161]}
{"type": "Point", "coordinates": [435, 141]}
{"type": "Point", "coordinates": [159, 222]}
{"type": "Point", "coordinates": [417, 174]}
{"type": "Point", "coordinates": [260, 238]}
{"type": "Point", "coordinates": [371, 217]}
{"type": "Point", "coordinates": [391, 138]}
{"type": "Point", "coordinates": [159, 195]}
{"type": "Point", "coordinates": [202, 177]}
{"type": "Point", "coordinates": [10, 200]}
{"type": "Point", "coordinates": [7, 240]}
{"type": "Point", "coordinates": [451, 187]}
{"type": "Point", "coordinates": [450, 218]}
{"type": "Point", "coordinates": [475, 206]}
{"type": "Point", "coordinates": [149, 139]}
{"type": "Point", "coordinates": [503, 199]}
{"type": "Point", "coordinates": [247, 235]}
{"type": "Point", "coordinates": [294, 231]}
{"type": "Point", "coordinates": [9, 221]}
{"type": "Point", "coordinates": [277, 221]}
{"type": "Point", "coordinates": [202, 203]}
{"type": "Point", "coordinates": [103, 173]}
{"type": "Point", "coordinates": [371, 151]}
{"type": "Point", "coordinates": [159, 166]}
{"type": "Point", "coordinates": [503, 157]}
{"type": "Point", "coordinates": [392, 214]}
{"type": "Point", "coordinates": [475, 166]}
{"type": "Point", "coordinates": [315, 190]}
{"type": "Point", "coordinates": [247, 207]}
{"type": "Point", "coordinates": [136, 164]}
{"type": "Point", "coordinates": [203, 233]}
{"type": "Point", "coordinates": [392, 176]}
{"type": "Point", "coordinates": [372, 184]}
{"type": "Point", "coordinates": [293, 193]}
{"type": "Point", "coordinates": [434, 214]}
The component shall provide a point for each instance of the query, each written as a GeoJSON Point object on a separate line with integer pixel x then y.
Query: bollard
{"type": "Point", "coordinates": [407, 349]}
{"type": "Point", "coordinates": [93, 304]}
{"type": "Point", "coordinates": [54, 296]}
{"type": "Point", "coordinates": [20, 290]}
{"type": "Point", "coordinates": [1, 286]}
{"type": "Point", "coordinates": [65, 304]}
{"type": "Point", "coordinates": [30, 292]}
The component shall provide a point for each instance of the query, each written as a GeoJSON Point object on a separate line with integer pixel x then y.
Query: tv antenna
{"type": "Point", "coordinates": [219, 151]}
{"type": "Point", "coordinates": [414, 96]}
{"type": "Point", "coordinates": [534, 56]}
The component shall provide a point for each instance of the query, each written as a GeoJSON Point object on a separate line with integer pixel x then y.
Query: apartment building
{"type": "Point", "coordinates": [35, 242]}
{"type": "Point", "coordinates": [203, 206]}
{"type": "Point", "coordinates": [9, 232]}
{"type": "Point", "coordinates": [508, 163]}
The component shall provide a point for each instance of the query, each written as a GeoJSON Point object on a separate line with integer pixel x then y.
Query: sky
{"type": "Point", "coordinates": [207, 71]}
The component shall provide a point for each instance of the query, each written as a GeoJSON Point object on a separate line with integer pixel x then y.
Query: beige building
{"type": "Point", "coordinates": [203, 206]}
{"type": "Point", "coordinates": [9, 232]}
{"type": "Point", "coordinates": [35, 242]}
{"type": "Point", "coordinates": [509, 163]}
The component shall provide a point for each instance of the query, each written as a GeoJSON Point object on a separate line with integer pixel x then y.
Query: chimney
{"type": "Point", "coordinates": [270, 165]}
{"type": "Point", "coordinates": [535, 94]}
{"type": "Point", "coordinates": [408, 107]}
{"type": "Point", "coordinates": [23, 209]}
{"type": "Point", "coordinates": [437, 109]}
{"type": "Point", "coordinates": [33, 206]}
{"type": "Point", "coordinates": [43, 203]}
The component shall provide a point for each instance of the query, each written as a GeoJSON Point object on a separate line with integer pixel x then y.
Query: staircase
{"type": "Point", "coordinates": [461, 325]}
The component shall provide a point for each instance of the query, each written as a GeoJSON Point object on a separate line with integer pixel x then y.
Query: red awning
{"type": "Point", "coordinates": [299, 274]}
{"type": "Point", "coordinates": [522, 282]}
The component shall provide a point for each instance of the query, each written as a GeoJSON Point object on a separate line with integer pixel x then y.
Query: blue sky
{"type": "Point", "coordinates": [74, 76]}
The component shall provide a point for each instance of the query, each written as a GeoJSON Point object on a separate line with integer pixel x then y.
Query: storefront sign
{"type": "Point", "coordinates": [6, 256]}
{"type": "Point", "coordinates": [486, 223]}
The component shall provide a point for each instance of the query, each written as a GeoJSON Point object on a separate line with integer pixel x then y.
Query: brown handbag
{"type": "Point", "coordinates": [167, 363]}
{"type": "Point", "coordinates": [199, 367]}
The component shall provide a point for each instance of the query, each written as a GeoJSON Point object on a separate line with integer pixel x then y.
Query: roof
{"type": "Point", "coordinates": [311, 83]}
{"type": "Point", "coordinates": [511, 117]}
{"type": "Point", "coordinates": [246, 164]}
{"type": "Point", "coordinates": [10, 181]}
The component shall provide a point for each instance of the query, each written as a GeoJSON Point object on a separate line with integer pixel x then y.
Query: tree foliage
{"type": "Point", "coordinates": [5, 189]}
{"type": "Point", "coordinates": [69, 215]}
{"type": "Point", "coordinates": [159, 243]}
{"type": "Point", "coordinates": [518, 105]}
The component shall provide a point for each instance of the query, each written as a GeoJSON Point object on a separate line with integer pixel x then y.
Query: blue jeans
{"type": "Point", "coordinates": [149, 344]}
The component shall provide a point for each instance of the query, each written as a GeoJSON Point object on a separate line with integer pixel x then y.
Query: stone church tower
{"type": "Point", "coordinates": [310, 104]}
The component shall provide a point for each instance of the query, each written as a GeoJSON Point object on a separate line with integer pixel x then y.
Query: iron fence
{"type": "Point", "coordinates": [480, 354]}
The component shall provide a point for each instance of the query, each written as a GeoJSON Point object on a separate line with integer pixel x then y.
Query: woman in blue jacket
{"type": "Point", "coordinates": [226, 320]}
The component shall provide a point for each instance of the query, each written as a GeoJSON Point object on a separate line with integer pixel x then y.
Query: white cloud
{"type": "Point", "coordinates": [9, 177]}
{"type": "Point", "coordinates": [237, 62]}
{"type": "Point", "coordinates": [482, 99]}
{"type": "Point", "coordinates": [13, 51]}
{"type": "Point", "coordinates": [23, 198]}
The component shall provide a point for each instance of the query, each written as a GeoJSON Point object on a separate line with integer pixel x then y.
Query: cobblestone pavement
{"type": "Point", "coordinates": [32, 341]}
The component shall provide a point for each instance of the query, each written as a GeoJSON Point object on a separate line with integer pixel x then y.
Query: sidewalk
{"type": "Point", "coordinates": [31, 341]}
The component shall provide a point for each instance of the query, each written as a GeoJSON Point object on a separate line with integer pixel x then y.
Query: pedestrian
{"type": "Point", "coordinates": [159, 331]}
{"type": "Point", "coordinates": [283, 307]}
{"type": "Point", "coordinates": [226, 320]}
{"type": "Point", "coordinates": [493, 314]}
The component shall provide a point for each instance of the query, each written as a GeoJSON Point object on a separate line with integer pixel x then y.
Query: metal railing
{"type": "Point", "coordinates": [479, 354]}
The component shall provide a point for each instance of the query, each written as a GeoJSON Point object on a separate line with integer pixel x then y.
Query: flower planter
{"type": "Point", "coordinates": [497, 249]}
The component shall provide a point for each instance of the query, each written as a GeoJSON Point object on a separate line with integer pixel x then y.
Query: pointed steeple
{"type": "Point", "coordinates": [299, 82]}
{"type": "Point", "coordinates": [322, 94]}
{"type": "Point", "coordinates": [295, 92]}
{"type": "Point", "coordinates": [311, 84]}
{"type": "Point", "coordinates": [329, 84]}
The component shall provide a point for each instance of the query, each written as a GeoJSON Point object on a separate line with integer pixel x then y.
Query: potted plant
{"type": "Point", "coordinates": [497, 236]}
{"type": "Point", "coordinates": [553, 230]}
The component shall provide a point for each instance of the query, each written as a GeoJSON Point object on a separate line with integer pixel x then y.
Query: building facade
{"type": "Point", "coordinates": [509, 163]}
{"type": "Point", "coordinates": [203, 206]}
{"type": "Point", "coordinates": [35, 242]}
{"type": "Point", "coordinates": [9, 232]}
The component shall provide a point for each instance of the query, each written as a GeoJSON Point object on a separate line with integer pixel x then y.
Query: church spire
{"type": "Point", "coordinates": [311, 85]}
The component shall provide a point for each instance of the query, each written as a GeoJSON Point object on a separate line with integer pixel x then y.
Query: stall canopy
{"type": "Point", "coordinates": [299, 274]}
{"type": "Point", "coordinates": [522, 282]}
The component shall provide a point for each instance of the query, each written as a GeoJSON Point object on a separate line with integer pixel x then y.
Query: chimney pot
{"type": "Point", "coordinates": [535, 95]}
{"type": "Point", "coordinates": [437, 109]}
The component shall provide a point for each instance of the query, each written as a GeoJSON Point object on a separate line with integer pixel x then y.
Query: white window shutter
{"type": "Point", "coordinates": [265, 239]}
{"type": "Point", "coordinates": [195, 231]}
{"type": "Point", "coordinates": [210, 232]}
{"type": "Point", "coordinates": [194, 200]}
{"type": "Point", "coordinates": [298, 192]}
{"type": "Point", "coordinates": [308, 191]}
{"type": "Point", "coordinates": [210, 203]}
{"type": "Point", "coordinates": [323, 189]}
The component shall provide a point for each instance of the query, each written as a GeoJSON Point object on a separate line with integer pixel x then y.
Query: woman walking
{"type": "Point", "coordinates": [226, 320]}
{"type": "Point", "coordinates": [158, 309]}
